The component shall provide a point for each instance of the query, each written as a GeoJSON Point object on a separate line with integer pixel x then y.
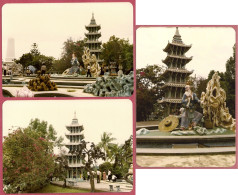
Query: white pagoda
{"type": "Point", "coordinates": [74, 135]}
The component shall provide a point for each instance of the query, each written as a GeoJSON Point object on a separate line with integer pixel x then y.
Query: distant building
{"type": "Point", "coordinates": [74, 135]}
{"type": "Point", "coordinates": [93, 35]}
{"type": "Point", "coordinates": [175, 75]}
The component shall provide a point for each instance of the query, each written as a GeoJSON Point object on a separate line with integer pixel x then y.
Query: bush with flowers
{"type": "Point", "coordinates": [28, 161]}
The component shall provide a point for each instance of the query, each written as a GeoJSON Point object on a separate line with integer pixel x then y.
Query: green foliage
{"type": "Point", "coordinates": [35, 58]}
{"type": "Point", "coordinates": [148, 83]}
{"type": "Point", "coordinates": [56, 189]}
{"type": "Point", "coordinates": [45, 131]}
{"type": "Point", "coordinates": [61, 167]}
{"type": "Point", "coordinates": [106, 139]}
{"type": "Point", "coordinates": [69, 48]}
{"type": "Point", "coordinates": [115, 48]}
{"type": "Point", "coordinates": [90, 153]}
{"type": "Point", "coordinates": [28, 161]}
{"type": "Point", "coordinates": [122, 156]}
{"type": "Point", "coordinates": [104, 167]}
{"type": "Point", "coordinates": [227, 81]}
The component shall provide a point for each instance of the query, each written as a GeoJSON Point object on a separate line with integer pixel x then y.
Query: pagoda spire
{"type": "Point", "coordinates": [93, 21]}
{"type": "Point", "coordinates": [74, 114]}
{"type": "Point", "coordinates": [177, 37]}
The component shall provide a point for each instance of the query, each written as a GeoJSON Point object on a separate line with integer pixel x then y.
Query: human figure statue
{"type": "Point", "coordinates": [189, 117]}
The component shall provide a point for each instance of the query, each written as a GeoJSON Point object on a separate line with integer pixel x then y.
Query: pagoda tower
{"type": "Point", "coordinates": [175, 75]}
{"type": "Point", "coordinates": [74, 135]}
{"type": "Point", "coordinates": [93, 35]}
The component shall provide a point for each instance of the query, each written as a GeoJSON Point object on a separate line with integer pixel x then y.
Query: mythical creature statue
{"type": "Point", "coordinates": [91, 60]}
{"type": "Point", "coordinates": [95, 67]}
{"type": "Point", "coordinates": [214, 105]}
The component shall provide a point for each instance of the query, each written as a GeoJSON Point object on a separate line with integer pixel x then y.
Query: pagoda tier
{"type": "Point", "coordinates": [175, 75]}
{"type": "Point", "coordinates": [176, 61]}
{"type": "Point", "coordinates": [74, 135]}
{"type": "Point", "coordinates": [92, 36]}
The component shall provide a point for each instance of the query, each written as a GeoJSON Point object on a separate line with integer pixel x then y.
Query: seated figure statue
{"type": "Point", "coordinates": [189, 117]}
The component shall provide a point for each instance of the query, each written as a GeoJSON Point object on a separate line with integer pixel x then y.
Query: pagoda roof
{"type": "Point", "coordinates": [74, 122]}
{"type": "Point", "coordinates": [170, 84]}
{"type": "Point", "coordinates": [179, 70]}
{"type": "Point", "coordinates": [90, 41]}
{"type": "Point", "coordinates": [69, 134]}
{"type": "Point", "coordinates": [72, 143]}
{"type": "Point", "coordinates": [169, 45]}
{"type": "Point", "coordinates": [93, 23]}
{"type": "Point", "coordinates": [177, 41]}
{"type": "Point", "coordinates": [95, 50]}
{"type": "Point", "coordinates": [169, 57]}
{"type": "Point", "coordinates": [93, 33]}
{"type": "Point", "coordinates": [170, 100]}
{"type": "Point", "coordinates": [75, 165]}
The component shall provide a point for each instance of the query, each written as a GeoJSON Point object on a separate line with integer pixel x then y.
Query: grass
{"type": "Point", "coordinates": [56, 189]}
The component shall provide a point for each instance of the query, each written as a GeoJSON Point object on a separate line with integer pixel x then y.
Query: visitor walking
{"type": "Point", "coordinates": [88, 176]}
{"type": "Point", "coordinates": [89, 71]}
{"type": "Point", "coordinates": [98, 176]}
{"type": "Point", "coordinates": [114, 178]}
{"type": "Point", "coordinates": [109, 175]}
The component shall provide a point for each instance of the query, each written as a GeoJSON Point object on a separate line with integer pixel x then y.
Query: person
{"type": "Point", "coordinates": [109, 175]}
{"type": "Point", "coordinates": [74, 175]}
{"type": "Point", "coordinates": [89, 71]}
{"type": "Point", "coordinates": [189, 117]}
{"type": "Point", "coordinates": [4, 69]}
{"type": "Point", "coordinates": [88, 176]}
{"type": "Point", "coordinates": [114, 178]}
{"type": "Point", "coordinates": [98, 176]}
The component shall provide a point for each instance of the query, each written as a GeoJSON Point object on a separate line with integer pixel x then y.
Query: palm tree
{"type": "Point", "coordinates": [106, 140]}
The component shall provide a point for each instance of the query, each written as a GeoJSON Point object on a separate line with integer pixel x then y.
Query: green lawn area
{"type": "Point", "coordinates": [56, 189]}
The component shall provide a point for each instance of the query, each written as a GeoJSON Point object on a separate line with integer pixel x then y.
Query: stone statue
{"type": "Point", "coordinates": [74, 70]}
{"type": "Point", "coordinates": [95, 68]}
{"type": "Point", "coordinates": [91, 60]}
{"type": "Point", "coordinates": [214, 105]}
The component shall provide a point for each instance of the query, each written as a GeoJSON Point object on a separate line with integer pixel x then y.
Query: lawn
{"type": "Point", "coordinates": [56, 189]}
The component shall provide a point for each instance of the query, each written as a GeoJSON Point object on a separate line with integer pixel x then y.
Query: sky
{"type": "Point", "coordinates": [97, 116]}
{"type": "Point", "coordinates": [50, 25]}
{"type": "Point", "coordinates": [211, 47]}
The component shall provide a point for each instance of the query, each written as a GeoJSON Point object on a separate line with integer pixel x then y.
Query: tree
{"type": "Point", "coordinates": [61, 166]}
{"type": "Point", "coordinates": [123, 159]}
{"type": "Point", "coordinates": [90, 153]}
{"type": "Point", "coordinates": [119, 51]}
{"type": "Point", "coordinates": [106, 139]}
{"type": "Point", "coordinates": [28, 161]}
{"type": "Point", "coordinates": [104, 167]}
{"type": "Point", "coordinates": [148, 90]}
{"type": "Point", "coordinates": [45, 131]}
{"type": "Point", "coordinates": [70, 47]}
{"type": "Point", "coordinates": [230, 82]}
{"type": "Point", "coordinates": [35, 58]}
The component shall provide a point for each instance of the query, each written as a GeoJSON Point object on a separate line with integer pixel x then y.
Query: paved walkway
{"type": "Point", "coordinates": [102, 186]}
{"type": "Point", "coordinates": [225, 160]}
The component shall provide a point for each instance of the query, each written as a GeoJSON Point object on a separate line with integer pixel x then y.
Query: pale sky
{"type": "Point", "coordinates": [97, 116]}
{"type": "Point", "coordinates": [211, 46]}
{"type": "Point", "coordinates": [50, 25]}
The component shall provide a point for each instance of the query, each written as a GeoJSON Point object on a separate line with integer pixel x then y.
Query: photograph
{"type": "Point", "coordinates": [67, 146]}
{"type": "Point", "coordinates": [67, 49]}
{"type": "Point", "coordinates": [185, 96]}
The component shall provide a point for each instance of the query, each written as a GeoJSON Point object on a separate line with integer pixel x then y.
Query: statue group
{"type": "Point", "coordinates": [213, 103]}
{"type": "Point", "coordinates": [90, 65]}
